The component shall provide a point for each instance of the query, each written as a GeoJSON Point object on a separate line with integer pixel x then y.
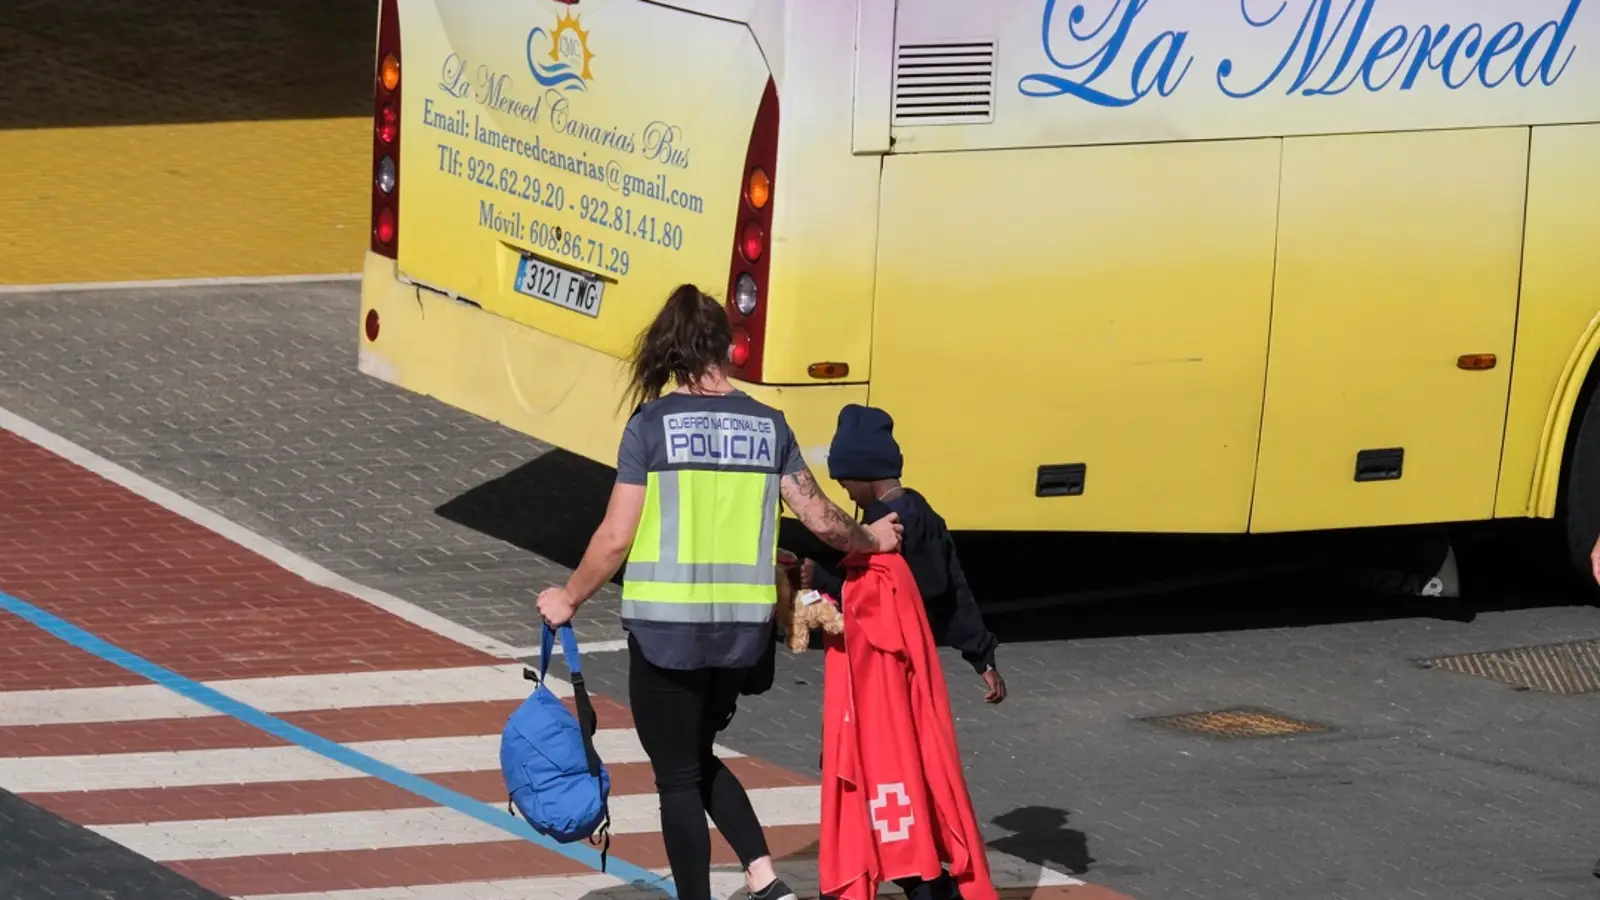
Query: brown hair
{"type": "Point", "coordinates": [690, 335]}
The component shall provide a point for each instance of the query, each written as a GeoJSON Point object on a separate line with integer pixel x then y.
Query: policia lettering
{"type": "Point", "coordinates": [725, 438]}
{"type": "Point", "coordinates": [700, 584]}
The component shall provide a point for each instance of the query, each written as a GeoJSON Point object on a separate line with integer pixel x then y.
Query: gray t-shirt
{"type": "Point", "coordinates": [697, 431]}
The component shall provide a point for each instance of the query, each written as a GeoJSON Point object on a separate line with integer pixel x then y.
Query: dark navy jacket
{"type": "Point", "coordinates": [930, 551]}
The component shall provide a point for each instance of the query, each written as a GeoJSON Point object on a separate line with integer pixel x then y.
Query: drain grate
{"type": "Point", "coordinates": [1567, 668]}
{"type": "Point", "coordinates": [1239, 722]}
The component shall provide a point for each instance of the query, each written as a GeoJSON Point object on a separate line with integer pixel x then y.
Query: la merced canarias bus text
{"type": "Point", "coordinates": [1109, 55]}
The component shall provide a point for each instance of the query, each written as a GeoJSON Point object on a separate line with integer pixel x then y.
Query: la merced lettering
{"type": "Point", "coordinates": [1322, 48]}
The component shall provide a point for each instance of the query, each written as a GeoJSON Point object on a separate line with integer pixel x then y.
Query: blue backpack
{"type": "Point", "coordinates": [553, 775]}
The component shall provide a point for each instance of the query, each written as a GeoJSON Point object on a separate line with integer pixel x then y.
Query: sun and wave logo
{"type": "Point", "coordinates": [561, 58]}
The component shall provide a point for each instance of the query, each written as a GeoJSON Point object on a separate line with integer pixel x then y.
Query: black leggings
{"type": "Point", "coordinates": [677, 715]}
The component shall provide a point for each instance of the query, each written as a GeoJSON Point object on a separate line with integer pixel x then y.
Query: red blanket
{"type": "Point", "coordinates": [894, 800]}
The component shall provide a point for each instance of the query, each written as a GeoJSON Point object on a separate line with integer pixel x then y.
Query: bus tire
{"type": "Point", "coordinates": [1582, 496]}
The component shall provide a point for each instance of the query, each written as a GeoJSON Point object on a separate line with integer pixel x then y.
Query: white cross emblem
{"type": "Point", "coordinates": [896, 818]}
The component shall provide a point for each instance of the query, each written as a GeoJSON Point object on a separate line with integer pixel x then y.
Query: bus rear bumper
{"type": "Point", "coordinates": [547, 387]}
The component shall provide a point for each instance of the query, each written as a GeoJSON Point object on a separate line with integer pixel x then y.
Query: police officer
{"type": "Point", "coordinates": [694, 513]}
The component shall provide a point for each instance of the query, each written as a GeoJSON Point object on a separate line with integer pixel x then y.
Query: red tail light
{"type": "Point", "coordinates": [385, 232]}
{"type": "Point", "coordinates": [754, 242]}
{"type": "Point", "coordinates": [751, 259]}
{"type": "Point", "coordinates": [388, 124]}
{"type": "Point", "coordinates": [386, 134]}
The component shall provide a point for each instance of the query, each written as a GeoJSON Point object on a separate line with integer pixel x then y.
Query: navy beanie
{"type": "Point", "coordinates": [864, 448]}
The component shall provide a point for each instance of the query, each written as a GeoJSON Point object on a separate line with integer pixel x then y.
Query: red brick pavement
{"type": "Point", "coordinates": [171, 591]}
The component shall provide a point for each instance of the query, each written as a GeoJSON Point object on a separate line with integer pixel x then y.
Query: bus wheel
{"type": "Point", "coordinates": [1583, 493]}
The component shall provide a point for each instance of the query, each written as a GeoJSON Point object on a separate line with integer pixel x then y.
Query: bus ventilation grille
{"type": "Point", "coordinates": [945, 83]}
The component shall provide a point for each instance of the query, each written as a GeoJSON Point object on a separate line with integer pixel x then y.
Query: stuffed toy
{"type": "Point", "coordinates": [801, 611]}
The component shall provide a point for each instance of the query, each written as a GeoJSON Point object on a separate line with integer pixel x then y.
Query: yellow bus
{"type": "Point", "coordinates": [1178, 266]}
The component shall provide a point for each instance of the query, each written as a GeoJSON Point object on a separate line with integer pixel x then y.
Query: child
{"type": "Point", "coordinates": [866, 461]}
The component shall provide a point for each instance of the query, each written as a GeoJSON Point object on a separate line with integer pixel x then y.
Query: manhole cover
{"type": "Point", "coordinates": [1237, 723]}
{"type": "Point", "coordinates": [1569, 668]}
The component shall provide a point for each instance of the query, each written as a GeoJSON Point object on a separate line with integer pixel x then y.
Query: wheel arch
{"type": "Point", "coordinates": [1579, 380]}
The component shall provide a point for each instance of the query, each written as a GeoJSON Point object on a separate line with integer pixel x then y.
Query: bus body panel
{"type": "Point", "coordinates": [1245, 272]}
{"type": "Point", "coordinates": [1098, 306]}
{"type": "Point", "coordinates": [825, 203]}
{"type": "Point", "coordinates": [1560, 299]}
{"type": "Point", "coordinates": [1397, 254]}
{"type": "Point", "coordinates": [1073, 72]}
{"type": "Point", "coordinates": [537, 383]}
{"type": "Point", "coordinates": [607, 137]}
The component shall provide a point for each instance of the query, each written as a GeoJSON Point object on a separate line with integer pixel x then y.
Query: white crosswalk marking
{"type": "Point", "coordinates": [558, 887]}
{"type": "Point", "coordinates": [725, 882]}
{"type": "Point", "coordinates": [262, 765]}
{"type": "Point", "coordinates": [292, 693]}
{"type": "Point", "coordinates": [273, 776]}
{"type": "Point", "coordinates": [378, 829]}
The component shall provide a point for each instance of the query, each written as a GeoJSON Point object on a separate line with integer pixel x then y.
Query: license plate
{"type": "Point", "coordinates": [559, 285]}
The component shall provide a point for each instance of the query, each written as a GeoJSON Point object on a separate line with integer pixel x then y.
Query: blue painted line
{"type": "Point", "coordinates": [339, 753]}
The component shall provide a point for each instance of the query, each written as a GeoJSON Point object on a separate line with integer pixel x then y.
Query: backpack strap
{"type": "Point", "coordinates": [588, 722]}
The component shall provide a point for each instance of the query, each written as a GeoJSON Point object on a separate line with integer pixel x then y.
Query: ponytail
{"type": "Point", "coordinates": [690, 336]}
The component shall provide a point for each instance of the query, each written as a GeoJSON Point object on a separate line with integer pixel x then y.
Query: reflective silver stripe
{"type": "Point", "coordinates": [671, 515]}
{"type": "Point", "coordinates": [698, 613]}
{"type": "Point", "coordinates": [768, 548]}
{"type": "Point", "coordinates": [701, 573]}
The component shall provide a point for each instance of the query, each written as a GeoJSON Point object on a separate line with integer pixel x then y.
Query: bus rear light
{"type": "Point", "coordinates": [388, 124]}
{"type": "Point", "coordinates": [372, 325]}
{"type": "Point", "coordinates": [386, 109]}
{"type": "Point", "coordinates": [758, 190]}
{"type": "Point", "coordinates": [750, 262]}
{"type": "Point", "coordinates": [387, 176]}
{"type": "Point", "coordinates": [389, 72]}
{"type": "Point", "coordinates": [384, 230]}
{"type": "Point", "coordinates": [745, 294]}
{"type": "Point", "coordinates": [827, 370]}
{"type": "Point", "coordinates": [753, 243]}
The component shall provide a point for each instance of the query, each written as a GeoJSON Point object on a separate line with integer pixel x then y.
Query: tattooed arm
{"type": "Point", "coordinates": [833, 525]}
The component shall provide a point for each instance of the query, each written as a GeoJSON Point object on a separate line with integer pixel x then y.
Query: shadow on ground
{"type": "Point", "coordinates": [1040, 836]}
{"type": "Point", "coordinates": [75, 63]}
{"type": "Point", "coordinates": [551, 505]}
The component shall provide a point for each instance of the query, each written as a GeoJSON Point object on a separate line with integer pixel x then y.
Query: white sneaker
{"type": "Point", "coordinates": [1447, 583]}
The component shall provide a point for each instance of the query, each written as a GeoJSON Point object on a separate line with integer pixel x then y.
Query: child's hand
{"type": "Point", "coordinates": [808, 574]}
{"type": "Point", "coordinates": [997, 686]}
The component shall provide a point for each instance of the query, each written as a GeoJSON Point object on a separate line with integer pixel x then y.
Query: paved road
{"type": "Point", "coordinates": [1425, 783]}
{"type": "Point", "coordinates": [268, 737]}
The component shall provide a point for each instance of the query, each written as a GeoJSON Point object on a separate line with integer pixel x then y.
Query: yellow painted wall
{"type": "Point", "coordinates": [184, 139]}
{"type": "Point", "coordinates": [214, 199]}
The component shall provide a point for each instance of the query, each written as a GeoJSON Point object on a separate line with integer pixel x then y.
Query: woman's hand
{"type": "Point", "coordinates": [886, 533]}
{"type": "Point", "coordinates": [556, 606]}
